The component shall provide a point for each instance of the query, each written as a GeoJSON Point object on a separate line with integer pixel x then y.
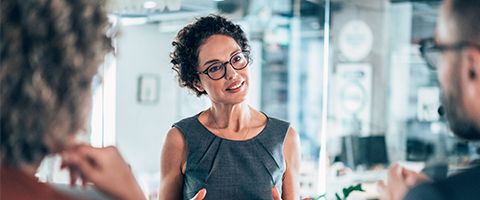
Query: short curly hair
{"type": "Point", "coordinates": [50, 51]}
{"type": "Point", "coordinates": [189, 40]}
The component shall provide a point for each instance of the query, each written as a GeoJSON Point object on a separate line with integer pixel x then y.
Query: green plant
{"type": "Point", "coordinates": [346, 192]}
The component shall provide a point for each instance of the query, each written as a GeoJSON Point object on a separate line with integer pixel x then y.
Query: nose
{"type": "Point", "coordinates": [231, 73]}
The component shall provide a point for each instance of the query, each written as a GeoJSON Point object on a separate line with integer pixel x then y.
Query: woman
{"type": "Point", "coordinates": [230, 149]}
{"type": "Point", "coordinates": [50, 52]}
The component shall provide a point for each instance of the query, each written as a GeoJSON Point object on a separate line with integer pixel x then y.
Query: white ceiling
{"type": "Point", "coordinates": [152, 11]}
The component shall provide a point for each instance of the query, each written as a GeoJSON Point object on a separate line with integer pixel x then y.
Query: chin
{"type": "Point", "coordinates": [464, 128]}
{"type": "Point", "coordinates": [460, 124]}
{"type": "Point", "coordinates": [237, 100]}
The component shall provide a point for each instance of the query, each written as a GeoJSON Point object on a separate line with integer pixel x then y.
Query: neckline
{"type": "Point", "coordinates": [226, 139]}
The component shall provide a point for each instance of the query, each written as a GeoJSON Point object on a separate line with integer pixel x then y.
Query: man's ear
{"type": "Point", "coordinates": [471, 73]}
{"type": "Point", "coordinates": [473, 64]}
{"type": "Point", "coordinates": [198, 85]}
{"type": "Point", "coordinates": [471, 85]}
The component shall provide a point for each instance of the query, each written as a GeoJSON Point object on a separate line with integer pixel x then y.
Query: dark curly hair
{"type": "Point", "coordinates": [191, 37]}
{"type": "Point", "coordinates": [50, 51]}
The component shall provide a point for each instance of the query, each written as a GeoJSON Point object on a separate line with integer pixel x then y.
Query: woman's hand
{"type": "Point", "coordinates": [275, 194]}
{"type": "Point", "coordinates": [105, 168]}
{"type": "Point", "coordinates": [203, 192]}
{"type": "Point", "coordinates": [200, 195]}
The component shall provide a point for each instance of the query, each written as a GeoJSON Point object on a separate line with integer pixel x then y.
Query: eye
{"type": "Point", "coordinates": [237, 58]}
{"type": "Point", "coordinates": [214, 68]}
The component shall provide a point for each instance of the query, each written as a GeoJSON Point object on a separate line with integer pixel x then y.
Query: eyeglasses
{"type": "Point", "coordinates": [218, 70]}
{"type": "Point", "coordinates": [431, 51]}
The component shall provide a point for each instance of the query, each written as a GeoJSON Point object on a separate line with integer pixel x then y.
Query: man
{"type": "Point", "coordinates": [455, 53]}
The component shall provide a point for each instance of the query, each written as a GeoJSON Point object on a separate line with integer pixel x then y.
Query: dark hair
{"type": "Point", "coordinates": [191, 37]}
{"type": "Point", "coordinates": [465, 15]}
{"type": "Point", "coordinates": [50, 51]}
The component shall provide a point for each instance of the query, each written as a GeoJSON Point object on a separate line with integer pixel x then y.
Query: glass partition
{"type": "Point", "coordinates": [347, 75]}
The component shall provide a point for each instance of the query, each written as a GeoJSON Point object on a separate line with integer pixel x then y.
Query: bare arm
{"type": "Point", "coordinates": [291, 152]}
{"type": "Point", "coordinates": [172, 160]}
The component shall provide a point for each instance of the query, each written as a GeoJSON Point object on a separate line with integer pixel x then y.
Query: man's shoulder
{"type": "Point", "coordinates": [464, 185]}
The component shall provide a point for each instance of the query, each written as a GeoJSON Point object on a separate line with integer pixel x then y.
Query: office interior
{"type": "Point", "coordinates": [347, 75]}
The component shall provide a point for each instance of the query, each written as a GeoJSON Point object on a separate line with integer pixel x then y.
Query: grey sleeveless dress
{"type": "Point", "coordinates": [231, 169]}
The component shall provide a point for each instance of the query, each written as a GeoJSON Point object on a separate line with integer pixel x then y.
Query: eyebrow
{"type": "Point", "coordinates": [217, 60]}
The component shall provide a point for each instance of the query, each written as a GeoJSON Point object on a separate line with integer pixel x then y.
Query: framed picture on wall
{"type": "Point", "coordinates": [148, 85]}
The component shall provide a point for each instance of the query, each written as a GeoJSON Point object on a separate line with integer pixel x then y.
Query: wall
{"type": "Point", "coordinates": [141, 128]}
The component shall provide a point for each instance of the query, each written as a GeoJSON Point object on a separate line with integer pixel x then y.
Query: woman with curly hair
{"type": "Point", "coordinates": [50, 51]}
{"type": "Point", "coordinates": [230, 150]}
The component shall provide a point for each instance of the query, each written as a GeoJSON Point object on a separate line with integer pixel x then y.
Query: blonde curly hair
{"type": "Point", "coordinates": [50, 51]}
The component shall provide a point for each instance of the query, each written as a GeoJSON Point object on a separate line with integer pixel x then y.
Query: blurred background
{"type": "Point", "coordinates": [347, 74]}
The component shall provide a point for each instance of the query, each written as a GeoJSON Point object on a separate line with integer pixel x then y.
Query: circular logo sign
{"type": "Point", "coordinates": [355, 40]}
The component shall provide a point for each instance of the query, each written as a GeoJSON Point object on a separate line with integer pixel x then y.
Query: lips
{"type": "Point", "coordinates": [235, 85]}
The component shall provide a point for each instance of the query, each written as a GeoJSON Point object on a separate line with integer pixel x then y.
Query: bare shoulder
{"type": "Point", "coordinates": [173, 151]}
{"type": "Point", "coordinates": [292, 136]}
{"type": "Point", "coordinates": [174, 141]}
{"type": "Point", "coordinates": [291, 147]}
{"type": "Point", "coordinates": [174, 136]}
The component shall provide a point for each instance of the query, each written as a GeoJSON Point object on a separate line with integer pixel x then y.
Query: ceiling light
{"type": "Point", "coordinates": [149, 4]}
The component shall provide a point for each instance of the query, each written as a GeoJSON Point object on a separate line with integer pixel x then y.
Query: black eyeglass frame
{"type": "Point", "coordinates": [224, 65]}
{"type": "Point", "coordinates": [429, 45]}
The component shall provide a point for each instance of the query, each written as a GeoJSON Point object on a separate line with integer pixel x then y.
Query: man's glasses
{"type": "Point", "coordinates": [431, 51]}
{"type": "Point", "coordinates": [218, 70]}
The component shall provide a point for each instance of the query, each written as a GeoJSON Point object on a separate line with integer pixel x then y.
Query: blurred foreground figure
{"type": "Point", "coordinates": [455, 54]}
{"type": "Point", "coordinates": [50, 51]}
